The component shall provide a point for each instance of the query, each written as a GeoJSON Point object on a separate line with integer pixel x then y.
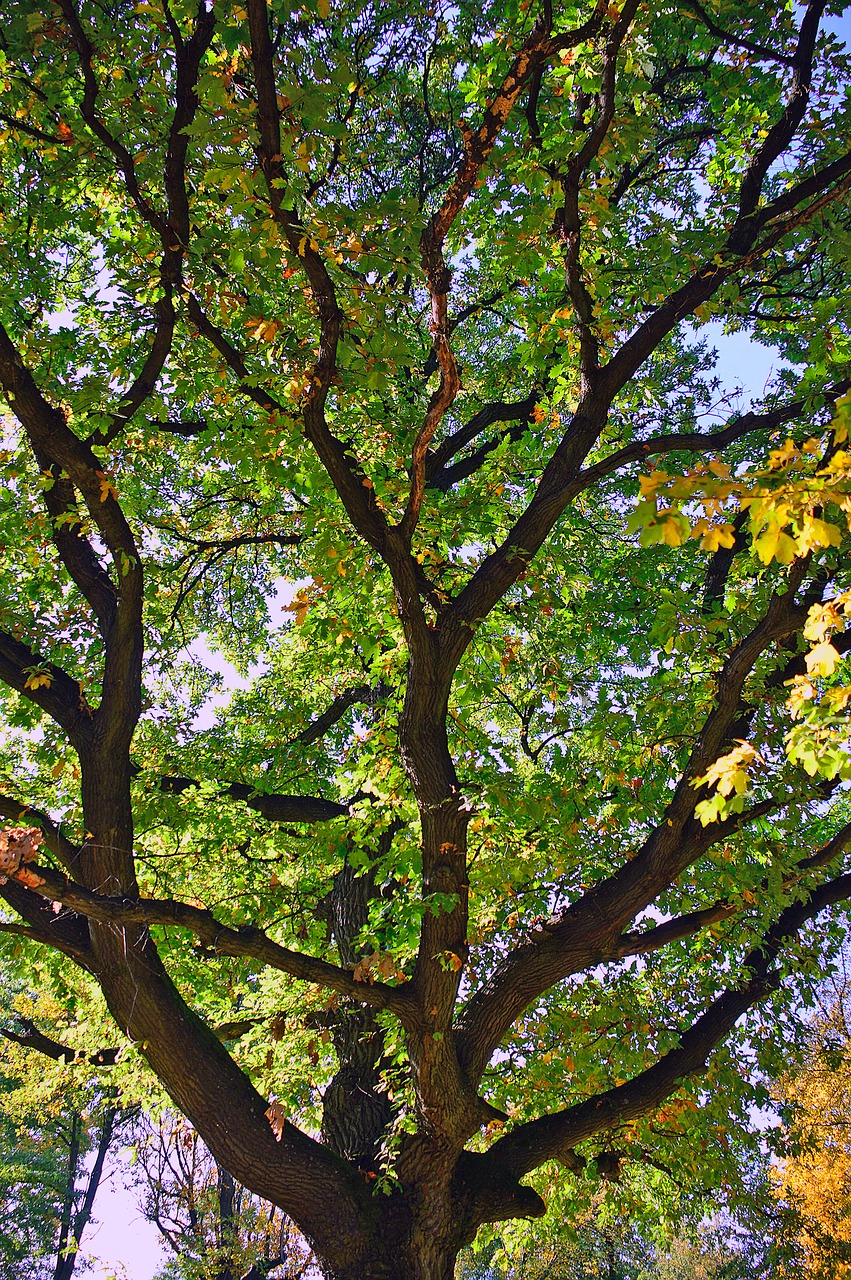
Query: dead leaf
{"type": "Point", "coordinates": [277, 1117]}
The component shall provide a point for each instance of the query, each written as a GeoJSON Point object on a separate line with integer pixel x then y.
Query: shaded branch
{"type": "Point", "coordinates": [695, 441]}
{"type": "Point", "coordinates": [477, 148]}
{"type": "Point", "coordinates": [275, 807]}
{"type": "Point", "coordinates": [75, 549]}
{"type": "Point", "coordinates": [31, 1038]}
{"type": "Point", "coordinates": [568, 222]}
{"type": "Point", "coordinates": [26, 815]}
{"type": "Point", "coordinates": [557, 485]}
{"type": "Point", "coordinates": [51, 438]}
{"type": "Point", "coordinates": [362, 693]}
{"type": "Point", "coordinates": [783, 130]}
{"type": "Point", "coordinates": [348, 478]}
{"type": "Point", "coordinates": [173, 228]}
{"type": "Point", "coordinates": [62, 698]}
{"type": "Point", "coordinates": [589, 929]}
{"type": "Point", "coordinates": [66, 931]}
{"type": "Point", "coordinates": [245, 942]}
{"type": "Point", "coordinates": [548, 1137]}
{"type": "Point", "coordinates": [235, 361]}
{"type": "Point", "coordinates": [644, 942]}
{"type": "Point", "coordinates": [760, 51]}
{"type": "Point", "coordinates": [499, 411]}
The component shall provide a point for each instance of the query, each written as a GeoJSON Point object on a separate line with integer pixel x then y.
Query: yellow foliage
{"type": "Point", "coordinates": [729, 773]}
{"type": "Point", "coordinates": [816, 1181]}
{"type": "Point", "coordinates": [822, 659]}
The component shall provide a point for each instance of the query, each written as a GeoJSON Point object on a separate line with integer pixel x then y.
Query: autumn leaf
{"type": "Point", "coordinates": [18, 846]}
{"type": "Point", "coordinates": [277, 1116]}
{"type": "Point", "coordinates": [822, 659]}
{"type": "Point", "coordinates": [107, 488]}
{"type": "Point", "coordinates": [38, 678]}
{"type": "Point", "coordinates": [774, 544]}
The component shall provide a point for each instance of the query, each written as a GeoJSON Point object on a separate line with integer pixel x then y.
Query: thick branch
{"type": "Point", "coordinates": [588, 930]}
{"type": "Point", "coordinates": [551, 1136]}
{"type": "Point", "coordinates": [60, 697]}
{"type": "Point", "coordinates": [31, 1038]}
{"type": "Point", "coordinates": [21, 814]}
{"type": "Point", "coordinates": [477, 148]}
{"type": "Point", "coordinates": [348, 478]}
{"type": "Point", "coordinates": [557, 486]}
{"type": "Point", "coordinates": [65, 930]}
{"type": "Point", "coordinates": [246, 942]}
{"type": "Point", "coordinates": [499, 411]}
{"type": "Point", "coordinates": [274, 806]}
{"type": "Point", "coordinates": [694, 442]}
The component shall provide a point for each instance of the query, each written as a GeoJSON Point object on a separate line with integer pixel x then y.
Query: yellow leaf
{"type": "Point", "coordinates": [817, 533]}
{"type": "Point", "coordinates": [672, 532]}
{"type": "Point", "coordinates": [822, 659]}
{"type": "Point", "coordinates": [719, 468]}
{"type": "Point", "coordinates": [821, 619]}
{"type": "Point", "coordinates": [721, 535]}
{"type": "Point", "coordinates": [781, 457]}
{"type": "Point", "coordinates": [38, 678]}
{"type": "Point", "coordinates": [107, 488]}
{"type": "Point", "coordinates": [323, 8]}
{"type": "Point", "coordinates": [774, 544]}
{"type": "Point", "coordinates": [649, 484]}
{"type": "Point", "coordinates": [729, 773]}
{"type": "Point", "coordinates": [299, 606]}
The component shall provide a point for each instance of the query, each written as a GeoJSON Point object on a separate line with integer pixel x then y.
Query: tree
{"type": "Point", "coordinates": [611, 1251]}
{"type": "Point", "coordinates": [816, 1176]}
{"type": "Point", "coordinates": [394, 304]}
{"type": "Point", "coordinates": [56, 1134]}
{"type": "Point", "coordinates": [214, 1229]}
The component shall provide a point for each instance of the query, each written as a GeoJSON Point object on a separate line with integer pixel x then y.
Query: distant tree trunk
{"type": "Point", "coordinates": [72, 1225]}
{"type": "Point", "coordinates": [225, 1226]}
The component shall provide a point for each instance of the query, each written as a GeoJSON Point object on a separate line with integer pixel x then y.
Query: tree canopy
{"type": "Point", "coordinates": [368, 347]}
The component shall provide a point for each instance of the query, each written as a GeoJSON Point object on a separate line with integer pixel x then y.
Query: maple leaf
{"type": "Point", "coordinates": [822, 659]}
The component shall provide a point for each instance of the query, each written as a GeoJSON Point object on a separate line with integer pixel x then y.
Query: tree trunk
{"type": "Point", "coordinates": [355, 1108]}
{"type": "Point", "coordinates": [429, 1263]}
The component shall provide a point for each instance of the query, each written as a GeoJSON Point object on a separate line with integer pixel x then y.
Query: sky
{"type": "Point", "coordinates": [121, 1245]}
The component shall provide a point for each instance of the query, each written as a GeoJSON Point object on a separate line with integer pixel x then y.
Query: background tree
{"type": "Point", "coordinates": [816, 1177]}
{"type": "Point", "coordinates": [615, 1250]}
{"type": "Point", "coordinates": [214, 1229]}
{"type": "Point", "coordinates": [56, 1135]}
{"type": "Point", "coordinates": [499, 856]}
{"type": "Point", "coordinates": [680, 1235]}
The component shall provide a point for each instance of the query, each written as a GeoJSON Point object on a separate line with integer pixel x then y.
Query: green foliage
{"type": "Point", "coordinates": [51, 1123]}
{"type": "Point", "coordinates": [611, 1249]}
{"type": "Point", "coordinates": [376, 475]}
